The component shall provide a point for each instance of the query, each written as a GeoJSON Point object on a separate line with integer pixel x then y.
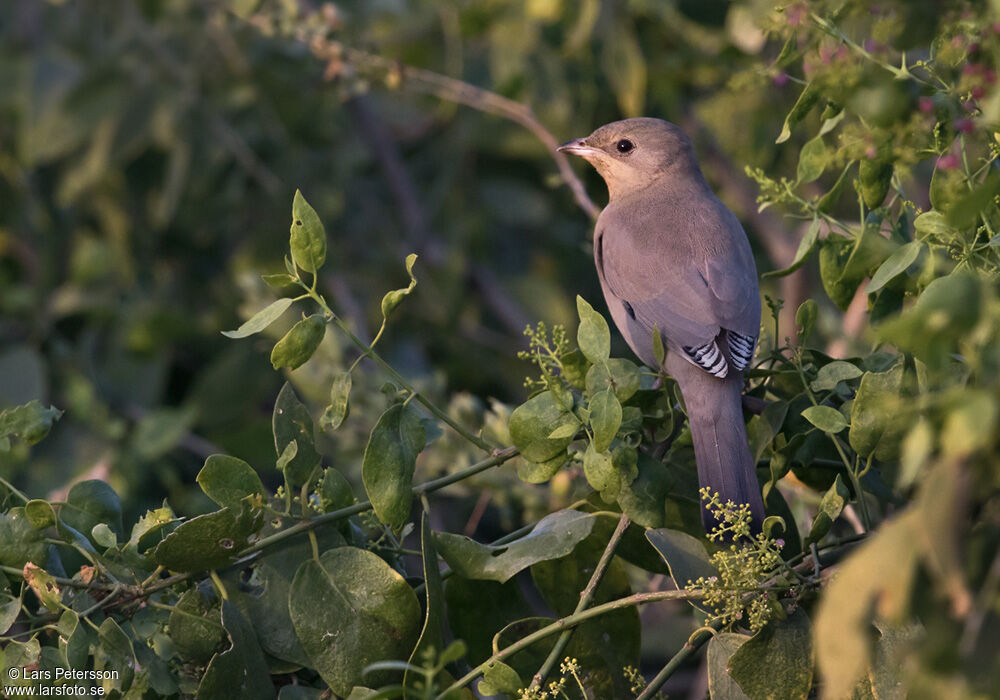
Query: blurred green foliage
{"type": "Point", "coordinates": [148, 155]}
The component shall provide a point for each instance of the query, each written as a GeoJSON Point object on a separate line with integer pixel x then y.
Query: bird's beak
{"type": "Point", "coordinates": [578, 147]}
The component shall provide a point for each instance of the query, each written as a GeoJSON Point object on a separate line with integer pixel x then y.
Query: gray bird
{"type": "Point", "coordinates": [671, 256]}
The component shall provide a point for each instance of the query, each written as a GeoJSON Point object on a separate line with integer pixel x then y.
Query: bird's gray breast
{"type": "Point", "coordinates": [638, 337]}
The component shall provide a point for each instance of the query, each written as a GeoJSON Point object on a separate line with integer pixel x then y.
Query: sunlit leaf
{"type": "Point", "coordinates": [554, 536]}
{"type": "Point", "coordinates": [261, 320]}
{"type": "Point", "coordinates": [308, 237]}
{"type": "Point", "coordinates": [593, 335]}
{"type": "Point", "coordinates": [350, 610]}
{"type": "Point", "coordinates": [389, 461]}
{"type": "Point", "coordinates": [299, 344]}
{"type": "Point", "coordinates": [392, 299]}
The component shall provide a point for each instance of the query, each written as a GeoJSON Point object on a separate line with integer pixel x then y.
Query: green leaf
{"type": "Point", "coordinates": [874, 179]}
{"type": "Point", "coordinates": [828, 201]}
{"type": "Point", "coordinates": [553, 536]}
{"type": "Point", "coordinates": [308, 237]}
{"type": "Point", "coordinates": [9, 610]}
{"type": "Point", "coordinates": [89, 503]}
{"type": "Point", "coordinates": [334, 491]}
{"type": "Point", "coordinates": [209, 541]}
{"type": "Point", "coordinates": [476, 623]}
{"type": "Point", "coordinates": [812, 160]}
{"type": "Point", "coordinates": [593, 335]}
{"type": "Point", "coordinates": [878, 418]}
{"type": "Point", "coordinates": [392, 299]}
{"type": "Point", "coordinates": [643, 499]}
{"type": "Point", "coordinates": [340, 396]}
{"type": "Point", "coordinates": [947, 310]}
{"type": "Point", "coordinates": [763, 428]}
{"type": "Point", "coordinates": [659, 351]}
{"type": "Point", "coordinates": [566, 430]}
{"type": "Point", "coordinates": [605, 418]}
{"type": "Point", "coordinates": [806, 247]}
{"type": "Point", "coordinates": [262, 319]}
{"type": "Point", "coordinates": [830, 507]}
{"type": "Point", "coordinates": [684, 554]}
{"type": "Point", "coordinates": [432, 636]}
{"type": "Point", "coordinates": [114, 652]}
{"type": "Point", "coordinates": [965, 210]}
{"type": "Point", "coordinates": [267, 609]}
{"type": "Point", "coordinates": [30, 422]}
{"type": "Point", "coordinates": [844, 263]}
{"type": "Point", "coordinates": [389, 461]}
{"type": "Point", "coordinates": [350, 610]}
{"type": "Point", "coordinates": [532, 423]}
{"type": "Point", "coordinates": [101, 535]}
{"type": "Point", "coordinates": [498, 678]}
{"type": "Point", "coordinates": [826, 418]}
{"type": "Point", "coordinates": [287, 455]}
{"type": "Point", "coordinates": [876, 579]}
{"type": "Point", "coordinates": [291, 421]}
{"type": "Point", "coordinates": [39, 513]}
{"type": "Point", "coordinates": [933, 223]}
{"type": "Point", "coordinates": [616, 374]}
{"type": "Point", "coordinates": [600, 470]}
{"type": "Point", "coordinates": [833, 373]}
{"type": "Point", "coordinates": [540, 472]}
{"type": "Point", "coordinates": [947, 187]}
{"type": "Point", "coordinates": [803, 105]}
{"type": "Point", "coordinates": [228, 480]}
{"type": "Point", "coordinates": [784, 648]}
{"type": "Point", "coordinates": [895, 265]}
{"type": "Point", "coordinates": [805, 319]}
{"type": "Point", "coordinates": [278, 281]}
{"type": "Point", "coordinates": [574, 366]}
{"type": "Point", "coordinates": [299, 344]}
{"type": "Point", "coordinates": [721, 648]}
{"type": "Point", "coordinates": [240, 671]}
{"type": "Point", "coordinates": [194, 627]}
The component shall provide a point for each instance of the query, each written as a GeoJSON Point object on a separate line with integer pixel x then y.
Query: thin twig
{"type": "Point", "coordinates": [585, 597]}
{"type": "Point", "coordinates": [692, 645]}
{"type": "Point", "coordinates": [569, 622]}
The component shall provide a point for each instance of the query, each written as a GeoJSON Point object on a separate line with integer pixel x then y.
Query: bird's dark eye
{"type": "Point", "coordinates": [624, 146]}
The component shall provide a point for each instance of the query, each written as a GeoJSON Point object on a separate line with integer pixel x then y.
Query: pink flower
{"type": "Point", "coordinates": [781, 79]}
{"type": "Point", "coordinates": [964, 125]}
{"type": "Point", "coordinates": [796, 15]}
{"type": "Point", "coordinates": [948, 162]}
{"type": "Point", "coordinates": [926, 104]}
{"type": "Point", "coordinates": [871, 151]}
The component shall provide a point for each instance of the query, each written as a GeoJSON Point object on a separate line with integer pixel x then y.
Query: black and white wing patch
{"type": "Point", "coordinates": [708, 357]}
{"type": "Point", "coordinates": [741, 348]}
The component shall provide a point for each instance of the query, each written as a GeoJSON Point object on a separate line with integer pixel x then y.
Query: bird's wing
{"type": "Point", "coordinates": [689, 273]}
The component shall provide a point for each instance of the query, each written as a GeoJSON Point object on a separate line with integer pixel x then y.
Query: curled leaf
{"type": "Point", "coordinates": [392, 299]}
{"type": "Point", "coordinates": [299, 344]}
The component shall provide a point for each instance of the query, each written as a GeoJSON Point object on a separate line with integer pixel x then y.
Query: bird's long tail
{"type": "Point", "coordinates": [721, 449]}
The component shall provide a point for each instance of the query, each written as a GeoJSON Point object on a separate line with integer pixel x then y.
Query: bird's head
{"type": "Point", "coordinates": [632, 153]}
